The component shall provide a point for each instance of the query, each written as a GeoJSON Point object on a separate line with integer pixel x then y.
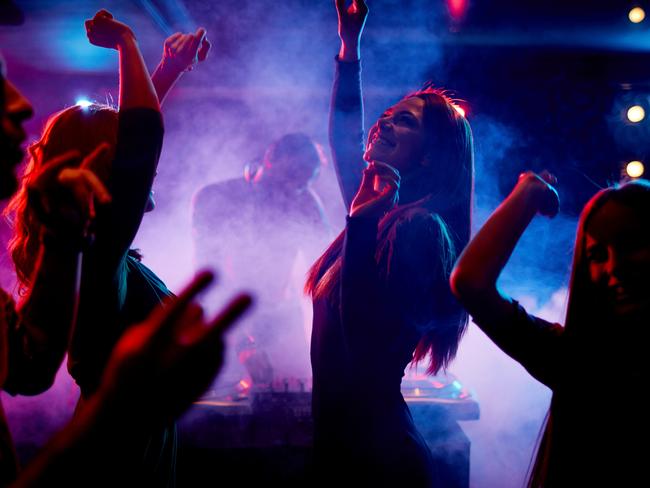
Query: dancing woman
{"type": "Point", "coordinates": [380, 291]}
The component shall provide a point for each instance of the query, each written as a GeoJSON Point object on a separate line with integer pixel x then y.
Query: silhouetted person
{"type": "Point", "coordinates": [258, 227]}
{"type": "Point", "coordinates": [597, 360]}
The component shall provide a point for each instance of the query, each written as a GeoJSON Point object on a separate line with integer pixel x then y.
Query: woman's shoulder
{"type": "Point", "coordinates": [417, 222]}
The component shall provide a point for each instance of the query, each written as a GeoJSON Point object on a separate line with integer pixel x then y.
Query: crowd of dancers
{"type": "Point", "coordinates": [396, 286]}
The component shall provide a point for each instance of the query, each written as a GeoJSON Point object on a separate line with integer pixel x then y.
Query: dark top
{"type": "Point", "coordinates": [117, 291]}
{"type": "Point", "coordinates": [10, 354]}
{"type": "Point", "coordinates": [25, 368]}
{"type": "Point", "coordinates": [595, 424]}
{"type": "Point", "coordinates": [365, 332]}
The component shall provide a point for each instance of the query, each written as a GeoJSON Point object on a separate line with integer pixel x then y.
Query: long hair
{"type": "Point", "coordinates": [443, 189]}
{"type": "Point", "coordinates": [75, 128]}
{"type": "Point", "coordinates": [582, 308]}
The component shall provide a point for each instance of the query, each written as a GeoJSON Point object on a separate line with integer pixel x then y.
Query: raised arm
{"type": "Point", "coordinates": [139, 141]}
{"type": "Point", "coordinates": [474, 278]}
{"type": "Point", "coordinates": [346, 106]}
{"type": "Point", "coordinates": [181, 52]}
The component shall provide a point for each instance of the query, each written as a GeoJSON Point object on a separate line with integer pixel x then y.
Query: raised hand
{"type": "Point", "coordinates": [541, 187]}
{"type": "Point", "coordinates": [378, 193]}
{"type": "Point", "coordinates": [104, 31]}
{"type": "Point", "coordinates": [66, 191]}
{"type": "Point", "coordinates": [182, 52]}
{"type": "Point", "coordinates": [352, 19]}
{"type": "Point", "coordinates": [159, 367]}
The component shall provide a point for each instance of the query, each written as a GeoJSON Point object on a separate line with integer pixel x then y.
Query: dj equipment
{"type": "Point", "coordinates": [267, 435]}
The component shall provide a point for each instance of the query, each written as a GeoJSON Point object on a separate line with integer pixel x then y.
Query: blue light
{"type": "Point", "coordinates": [83, 103]}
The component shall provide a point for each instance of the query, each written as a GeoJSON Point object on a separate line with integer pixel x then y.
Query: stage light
{"type": "Point", "coordinates": [457, 8]}
{"type": "Point", "coordinates": [460, 110]}
{"type": "Point", "coordinates": [636, 15]}
{"type": "Point", "coordinates": [635, 113]}
{"type": "Point", "coordinates": [83, 103]}
{"type": "Point", "coordinates": [635, 169]}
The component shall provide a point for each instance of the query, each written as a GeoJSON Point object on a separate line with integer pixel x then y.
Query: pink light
{"type": "Point", "coordinates": [457, 8]}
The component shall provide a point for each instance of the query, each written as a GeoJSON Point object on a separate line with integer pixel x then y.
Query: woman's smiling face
{"type": "Point", "coordinates": [398, 138]}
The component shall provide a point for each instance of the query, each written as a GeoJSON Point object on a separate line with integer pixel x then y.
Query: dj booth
{"type": "Point", "coordinates": [265, 437]}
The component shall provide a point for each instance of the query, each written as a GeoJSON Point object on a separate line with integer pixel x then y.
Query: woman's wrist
{"type": "Point", "coordinates": [349, 52]}
{"type": "Point", "coordinates": [126, 39]}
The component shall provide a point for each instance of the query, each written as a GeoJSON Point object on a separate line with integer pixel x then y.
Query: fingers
{"type": "Point", "coordinates": [104, 13]}
{"type": "Point", "coordinates": [200, 34]}
{"type": "Point", "coordinates": [196, 40]}
{"type": "Point", "coordinates": [99, 154]}
{"type": "Point", "coordinates": [55, 165]}
{"type": "Point", "coordinates": [360, 6]}
{"type": "Point", "coordinates": [368, 177]}
{"type": "Point", "coordinates": [548, 177]}
{"type": "Point", "coordinates": [85, 187]}
{"type": "Point", "coordinates": [385, 170]}
{"type": "Point", "coordinates": [204, 50]}
{"type": "Point", "coordinates": [96, 187]}
{"type": "Point", "coordinates": [172, 39]}
{"type": "Point", "coordinates": [177, 307]}
{"type": "Point", "coordinates": [227, 317]}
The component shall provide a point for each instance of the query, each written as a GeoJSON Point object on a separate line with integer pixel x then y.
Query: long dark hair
{"type": "Point", "coordinates": [443, 190]}
{"type": "Point", "coordinates": [585, 311]}
{"type": "Point", "coordinates": [582, 309]}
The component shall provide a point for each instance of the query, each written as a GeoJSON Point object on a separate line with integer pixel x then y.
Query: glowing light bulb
{"type": "Point", "coordinates": [635, 169]}
{"type": "Point", "coordinates": [636, 113]}
{"type": "Point", "coordinates": [83, 103]}
{"type": "Point", "coordinates": [636, 15]}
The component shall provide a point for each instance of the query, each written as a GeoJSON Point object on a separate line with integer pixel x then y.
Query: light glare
{"type": "Point", "coordinates": [635, 169]}
{"type": "Point", "coordinates": [636, 15]}
{"type": "Point", "coordinates": [635, 114]}
{"type": "Point", "coordinates": [83, 103]}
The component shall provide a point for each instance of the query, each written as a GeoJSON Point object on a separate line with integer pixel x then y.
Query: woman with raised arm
{"type": "Point", "coordinates": [380, 291]}
{"type": "Point", "coordinates": [117, 290]}
{"type": "Point", "coordinates": [593, 363]}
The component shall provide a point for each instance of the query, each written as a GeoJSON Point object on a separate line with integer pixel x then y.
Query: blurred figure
{"type": "Point", "coordinates": [263, 229]}
{"type": "Point", "coordinates": [117, 290]}
{"type": "Point", "coordinates": [595, 364]}
{"type": "Point", "coordinates": [34, 337]}
{"type": "Point", "coordinates": [157, 368]}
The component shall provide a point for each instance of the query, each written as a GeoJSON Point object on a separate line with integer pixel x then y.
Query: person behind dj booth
{"type": "Point", "coordinates": [380, 292]}
{"type": "Point", "coordinates": [255, 228]}
{"type": "Point", "coordinates": [596, 364]}
{"type": "Point", "coordinates": [117, 290]}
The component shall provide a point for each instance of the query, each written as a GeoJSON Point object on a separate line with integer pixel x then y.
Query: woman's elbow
{"type": "Point", "coordinates": [466, 285]}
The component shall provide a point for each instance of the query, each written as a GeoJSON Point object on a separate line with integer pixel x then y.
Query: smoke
{"type": "Point", "coordinates": [269, 73]}
{"type": "Point", "coordinates": [513, 405]}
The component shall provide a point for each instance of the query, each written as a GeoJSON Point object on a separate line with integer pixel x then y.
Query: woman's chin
{"type": "Point", "coordinates": [376, 154]}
